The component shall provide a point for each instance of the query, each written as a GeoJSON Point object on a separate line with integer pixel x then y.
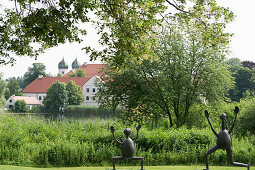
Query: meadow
{"type": "Point", "coordinates": [33, 142]}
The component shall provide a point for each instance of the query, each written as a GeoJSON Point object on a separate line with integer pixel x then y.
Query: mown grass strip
{"type": "Point", "coordinates": [7, 167]}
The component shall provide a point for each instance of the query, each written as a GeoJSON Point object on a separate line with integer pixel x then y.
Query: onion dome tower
{"type": "Point", "coordinates": [75, 64]}
{"type": "Point", "coordinates": [62, 67]}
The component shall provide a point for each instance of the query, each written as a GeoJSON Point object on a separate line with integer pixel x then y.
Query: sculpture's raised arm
{"type": "Point", "coordinates": [113, 130]}
{"type": "Point", "coordinates": [233, 125]}
{"type": "Point", "coordinates": [137, 129]}
{"type": "Point", "coordinates": [207, 114]}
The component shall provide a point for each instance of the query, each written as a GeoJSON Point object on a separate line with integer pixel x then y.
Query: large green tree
{"type": "Point", "coordinates": [244, 74]}
{"type": "Point", "coordinates": [33, 72]}
{"type": "Point", "coordinates": [188, 70]}
{"type": "Point", "coordinates": [2, 92]}
{"type": "Point", "coordinates": [56, 98]}
{"type": "Point", "coordinates": [12, 88]}
{"type": "Point", "coordinates": [244, 81]}
{"type": "Point", "coordinates": [75, 95]}
{"type": "Point", "coordinates": [127, 27]}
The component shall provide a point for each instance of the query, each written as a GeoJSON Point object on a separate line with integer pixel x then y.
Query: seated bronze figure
{"type": "Point", "coordinates": [127, 147]}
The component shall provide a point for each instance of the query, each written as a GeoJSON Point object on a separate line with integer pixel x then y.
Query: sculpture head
{"type": "Point", "coordinates": [127, 132]}
{"type": "Point", "coordinates": [223, 117]}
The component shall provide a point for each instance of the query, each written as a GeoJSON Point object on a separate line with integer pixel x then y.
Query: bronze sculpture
{"type": "Point", "coordinates": [224, 140]}
{"type": "Point", "coordinates": [127, 147]}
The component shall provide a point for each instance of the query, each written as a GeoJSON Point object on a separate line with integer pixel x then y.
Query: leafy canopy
{"type": "Point", "coordinates": [126, 27]}
{"type": "Point", "coordinates": [33, 72]}
{"type": "Point", "coordinates": [60, 95]}
{"type": "Point", "coordinates": [2, 92]}
{"type": "Point", "coordinates": [12, 89]}
{"type": "Point", "coordinates": [243, 74]}
{"type": "Point", "coordinates": [20, 106]}
{"type": "Point", "coordinates": [56, 98]}
{"type": "Point", "coordinates": [75, 95]}
{"type": "Point", "coordinates": [187, 71]}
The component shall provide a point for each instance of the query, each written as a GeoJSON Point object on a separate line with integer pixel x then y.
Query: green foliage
{"type": "Point", "coordinates": [20, 106]}
{"type": "Point", "coordinates": [39, 143]}
{"type": "Point", "coordinates": [196, 117]}
{"type": "Point", "coordinates": [92, 111]}
{"type": "Point", "coordinates": [56, 98]}
{"type": "Point", "coordinates": [245, 123]}
{"type": "Point", "coordinates": [78, 73]}
{"type": "Point", "coordinates": [33, 72]}
{"type": "Point", "coordinates": [187, 70]}
{"type": "Point", "coordinates": [127, 28]}
{"type": "Point", "coordinates": [37, 109]}
{"type": "Point", "coordinates": [74, 92]}
{"type": "Point", "coordinates": [2, 93]}
{"type": "Point", "coordinates": [234, 62]}
{"type": "Point", "coordinates": [243, 81]}
{"type": "Point", "coordinates": [13, 88]}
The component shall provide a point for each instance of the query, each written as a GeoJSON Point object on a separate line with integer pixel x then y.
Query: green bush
{"type": "Point", "coordinates": [33, 142]}
{"type": "Point", "coordinates": [20, 106]}
{"type": "Point", "coordinates": [92, 111]}
{"type": "Point", "coordinates": [245, 123]}
{"type": "Point", "coordinates": [37, 109]}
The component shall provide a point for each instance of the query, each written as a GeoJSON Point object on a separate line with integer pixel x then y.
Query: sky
{"type": "Point", "coordinates": [242, 43]}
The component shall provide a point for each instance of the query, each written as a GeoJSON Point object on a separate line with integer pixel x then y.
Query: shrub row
{"type": "Point", "coordinates": [92, 111]}
{"type": "Point", "coordinates": [45, 143]}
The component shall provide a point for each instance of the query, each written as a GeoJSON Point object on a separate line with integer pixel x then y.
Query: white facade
{"type": "Point", "coordinates": [10, 103]}
{"type": "Point", "coordinates": [89, 91]}
{"type": "Point", "coordinates": [39, 96]}
{"type": "Point", "coordinates": [62, 71]}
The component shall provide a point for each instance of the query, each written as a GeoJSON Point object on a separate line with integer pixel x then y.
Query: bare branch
{"type": "Point", "coordinates": [176, 7]}
{"type": "Point", "coordinates": [16, 7]}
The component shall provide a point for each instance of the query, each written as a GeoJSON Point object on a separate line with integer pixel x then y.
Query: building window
{"type": "Point", "coordinates": [87, 97]}
{"type": "Point", "coordinates": [63, 72]}
{"type": "Point", "coordinates": [10, 100]}
{"type": "Point", "coordinates": [10, 106]}
{"type": "Point", "coordinates": [94, 90]}
{"type": "Point", "coordinates": [93, 98]}
{"type": "Point", "coordinates": [40, 97]}
{"type": "Point", "coordinates": [87, 90]}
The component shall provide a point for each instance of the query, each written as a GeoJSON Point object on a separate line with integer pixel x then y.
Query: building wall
{"type": "Point", "coordinates": [39, 96]}
{"type": "Point", "coordinates": [62, 72]}
{"type": "Point", "coordinates": [89, 90]}
{"type": "Point", "coordinates": [10, 103]}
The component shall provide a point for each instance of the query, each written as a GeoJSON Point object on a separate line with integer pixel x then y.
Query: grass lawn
{"type": "Point", "coordinates": [7, 167]}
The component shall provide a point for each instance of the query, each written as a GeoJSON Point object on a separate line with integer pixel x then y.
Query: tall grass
{"type": "Point", "coordinates": [45, 143]}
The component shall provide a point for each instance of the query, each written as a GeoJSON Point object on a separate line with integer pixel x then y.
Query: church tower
{"type": "Point", "coordinates": [62, 67]}
{"type": "Point", "coordinates": [75, 64]}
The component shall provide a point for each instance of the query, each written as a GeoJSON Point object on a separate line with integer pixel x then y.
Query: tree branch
{"type": "Point", "coordinates": [176, 7]}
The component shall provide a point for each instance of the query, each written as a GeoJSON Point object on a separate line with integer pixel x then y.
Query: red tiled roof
{"type": "Point", "coordinates": [90, 69]}
{"type": "Point", "coordinates": [29, 100]}
{"type": "Point", "coordinates": [41, 85]}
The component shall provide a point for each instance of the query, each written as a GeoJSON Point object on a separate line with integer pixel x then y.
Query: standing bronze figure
{"type": "Point", "coordinates": [127, 147]}
{"type": "Point", "coordinates": [223, 139]}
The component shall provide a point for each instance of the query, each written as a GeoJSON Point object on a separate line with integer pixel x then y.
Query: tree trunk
{"type": "Point", "coordinates": [170, 118]}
